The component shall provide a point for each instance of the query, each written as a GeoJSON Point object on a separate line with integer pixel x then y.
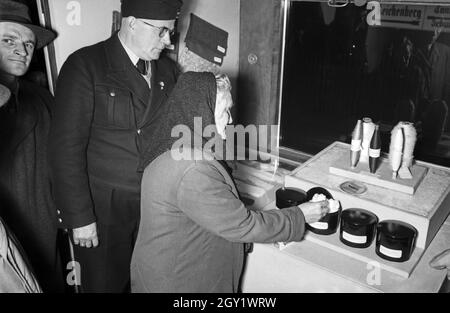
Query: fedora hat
{"type": "Point", "coordinates": [16, 12]}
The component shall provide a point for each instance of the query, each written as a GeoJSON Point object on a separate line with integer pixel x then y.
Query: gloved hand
{"type": "Point", "coordinates": [5, 94]}
{"type": "Point", "coordinates": [442, 261]}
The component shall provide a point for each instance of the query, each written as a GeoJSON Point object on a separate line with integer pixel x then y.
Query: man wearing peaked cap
{"type": "Point", "coordinates": [106, 94]}
{"type": "Point", "coordinates": [26, 204]}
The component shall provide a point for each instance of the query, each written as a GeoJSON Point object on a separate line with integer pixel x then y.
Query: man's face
{"type": "Point", "coordinates": [17, 44]}
{"type": "Point", "coordinates": [151, 37]}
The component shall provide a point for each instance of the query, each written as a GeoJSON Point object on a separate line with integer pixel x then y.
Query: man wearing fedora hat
{"type": "Point", "coordinates": [25, 200]}
{"type": "Point", "coordinates": [106, 94]}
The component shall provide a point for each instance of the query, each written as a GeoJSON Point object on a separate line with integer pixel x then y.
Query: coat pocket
{"type": "Point", "coordinates": [113, 107]}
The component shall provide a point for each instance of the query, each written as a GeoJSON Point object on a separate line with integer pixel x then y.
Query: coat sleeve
{"type": "Point", "coordinates": [205, 197]}
{"type": "Point", "coordinates": [69, 137]}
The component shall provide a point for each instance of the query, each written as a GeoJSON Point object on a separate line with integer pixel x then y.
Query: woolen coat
{"type": "Point", "coordinates": [193, 228]}
{"type": "Point", "coordinates": [26, 202]}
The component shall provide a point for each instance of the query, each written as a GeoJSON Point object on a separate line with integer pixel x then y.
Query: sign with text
{"type": "Point", "coordinates": [437, 17]}
{"type": "Point", "coordinates": [402, 16]}
{"type": "Point", "coordinates": [419, 17]}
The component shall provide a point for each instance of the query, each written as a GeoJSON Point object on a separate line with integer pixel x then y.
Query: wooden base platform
{"type": "Point", "coordinates": [382, 177]}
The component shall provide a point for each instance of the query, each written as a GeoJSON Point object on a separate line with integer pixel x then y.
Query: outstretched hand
{"type": "Point", "coordinates": [314, 211]}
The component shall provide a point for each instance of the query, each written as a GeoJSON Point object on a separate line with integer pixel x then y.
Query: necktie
{"type": "Point", "coordinates": [141, 67]}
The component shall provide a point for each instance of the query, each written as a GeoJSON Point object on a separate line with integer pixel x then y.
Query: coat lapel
{"type": "Point", "coordinates": [26, 117]}
{"type": "Point", "coordinates": [160, 84]}
{"type": "Point", "coordinates": [155, 97]}
{"type": "Point", "coordinates": [123, 72]}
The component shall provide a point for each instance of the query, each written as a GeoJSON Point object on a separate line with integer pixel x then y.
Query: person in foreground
{"type": "Point", "coordinates": [193, 225]}
{"type": "Point", "coordinates": [26, 203]}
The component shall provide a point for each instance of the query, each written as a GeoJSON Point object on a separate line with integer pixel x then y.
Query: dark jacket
{"type": "Point", "coordinates": [102, 104]}
{"type": "Point", "coordinates": [26, 204]}
{"type": "Point", "coordinates": [193, 228]}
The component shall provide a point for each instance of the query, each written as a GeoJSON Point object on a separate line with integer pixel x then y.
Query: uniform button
{"type": "Point", "coordinates": [139, 131]}
{"type": "Point", "coordinates": [58, 211]}
{"type": "Point", "coordinates": [59, 220]}
{"type": "Point", "coordinates": [112, 94]}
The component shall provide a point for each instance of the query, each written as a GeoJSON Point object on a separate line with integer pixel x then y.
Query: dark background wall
{"type": "Point", "coordinates": [259, 61]}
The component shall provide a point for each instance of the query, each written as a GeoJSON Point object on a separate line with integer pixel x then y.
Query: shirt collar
{"type": "Point", "coordinates": [133, 57]}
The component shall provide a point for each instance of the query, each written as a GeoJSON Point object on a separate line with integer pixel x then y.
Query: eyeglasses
{"type": "Point", "coordinates": [162, 30]}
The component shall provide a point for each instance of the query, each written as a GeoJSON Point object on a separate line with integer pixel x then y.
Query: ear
{"type": "Point", "coordinates": [131, 22]}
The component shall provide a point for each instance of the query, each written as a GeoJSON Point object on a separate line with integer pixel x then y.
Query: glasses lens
{"type": "Point", "coordinates": [164, 31]}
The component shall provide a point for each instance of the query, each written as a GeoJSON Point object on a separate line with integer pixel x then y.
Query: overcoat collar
{"type": "Point", "coordinates": [26, 115]}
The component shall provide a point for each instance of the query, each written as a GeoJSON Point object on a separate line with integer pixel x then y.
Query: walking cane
{"type": "Point", "coordinates": [76, 274]}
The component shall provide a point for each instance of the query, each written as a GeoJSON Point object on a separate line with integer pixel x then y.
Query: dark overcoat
{"type": "Point", "coordinates": [26, 204]}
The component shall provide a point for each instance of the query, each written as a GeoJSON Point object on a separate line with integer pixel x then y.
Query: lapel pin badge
{"type": "Point", "coordinates": [162, 85]}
